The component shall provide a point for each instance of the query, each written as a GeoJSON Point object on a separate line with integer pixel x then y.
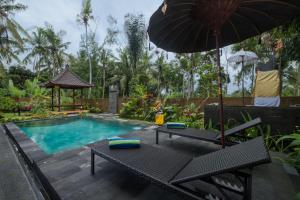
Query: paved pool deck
{"type": "Point", "coordinates": [69, 173]}
{"type": "Point", "coordinates": [14, 184]}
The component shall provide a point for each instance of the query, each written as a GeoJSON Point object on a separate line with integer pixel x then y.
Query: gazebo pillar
{"type": "Point", "coordinates": [74, 98]}
{"type": "Point", "coordinates": [59, 103]}
{"type": "Point", "coordinates": [81, 99]}
{"type": "Point", "coordinates": [52, 99]}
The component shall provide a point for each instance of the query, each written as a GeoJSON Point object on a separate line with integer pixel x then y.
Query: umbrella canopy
{"type": "Point", "coordinates": [188, 26]}
{"type": "Point", "coordinates": [243, 57]}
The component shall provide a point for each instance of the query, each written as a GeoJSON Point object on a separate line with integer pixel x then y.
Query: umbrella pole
{"type": "Point", "coordinates": [243, 84]}
{"type": "Point", "coordinates": [221, 107]}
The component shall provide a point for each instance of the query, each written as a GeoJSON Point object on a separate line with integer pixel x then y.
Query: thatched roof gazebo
{"type": "Point", "coordinates": [66, 80]}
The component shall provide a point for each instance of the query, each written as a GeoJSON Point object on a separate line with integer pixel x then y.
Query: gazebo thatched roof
{"type": "Point", "coordinates": [67, 80]}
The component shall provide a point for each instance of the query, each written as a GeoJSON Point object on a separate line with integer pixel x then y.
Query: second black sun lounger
{"type": "Point", "coordinates": [219, 173]}
{"type": "Point", "coordinates": [207, 135]}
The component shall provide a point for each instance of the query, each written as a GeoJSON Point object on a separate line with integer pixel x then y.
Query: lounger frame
{"type": "Point", "coordinates": [202, 134]}
{"type": "Point", "coordinates": [176, 184]}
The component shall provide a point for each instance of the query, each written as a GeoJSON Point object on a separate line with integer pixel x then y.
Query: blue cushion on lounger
{"type": "Point", "coordinates": [176, 125]}
{"type": "Point", "coordinates": [121, 143]}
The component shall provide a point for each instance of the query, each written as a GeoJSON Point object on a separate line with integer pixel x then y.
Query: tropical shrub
{"type": "Point", "coordinates": [95, 110]}
{"type": "Point", "coordinates": [38, 97]}
{"type": "Point", "coordinates": [293, 149]}
{"type": "Point", "coordinates": [139, 106]}
{"type": "Point", "coordinates": [14, 91]}
{"type": "Point", "coordinates": [297, 196]}
{"type": "Point", "coordinates": [191, 116]}
{"type": "Point", "coordinates": [7, 104]}
{"type": "Point", "coordinates": [129, 109]}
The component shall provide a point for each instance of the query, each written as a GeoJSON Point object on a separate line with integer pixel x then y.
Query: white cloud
{"type": "Point", "coordinates": [62, 15]}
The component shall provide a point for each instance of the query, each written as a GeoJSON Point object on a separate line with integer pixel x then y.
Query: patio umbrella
{"type": "Point", "coordinates": [187, 26]}
{"type": "Point", "coordinates": [243, 57]}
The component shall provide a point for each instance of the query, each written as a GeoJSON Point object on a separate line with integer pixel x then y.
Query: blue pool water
{"type": "Point", "coordinates": [56, 136]}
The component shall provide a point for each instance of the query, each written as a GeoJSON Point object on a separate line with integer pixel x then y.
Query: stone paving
{"type": "Point", "coordinates": [13, 180]}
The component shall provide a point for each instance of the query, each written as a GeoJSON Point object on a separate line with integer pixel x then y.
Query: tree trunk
{"type": "Point", "coordinates": [183, 94]}
{"type": "Point", "coordinates": [159, 80]}
{"type": "Point", "coordinates": [89, 59]}
{"type": "Point", "coordinates": [191, 83]}
{"type": "Point", "coordinates": [104, 81]}
{"type": "Point", "coordinates": [252, 78]}
{"type": "Point", "coordinates": [210, 88]}
{"type": "Point", "coordinates": [298, 80]}
{"type": "Point", "coordinates": [280, 75]}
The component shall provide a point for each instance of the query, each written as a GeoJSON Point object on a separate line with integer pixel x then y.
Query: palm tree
{"type": "Point", "coordinates": [160, 62]}
{"type": "Point", "coordinates": [122, 72]}
{"type": "Point", "coordinates": [47, 51]}
{"type": "Point", "coordinates": [56, 48]}
{"type": "Point", "coordinates": [135, 30]}
{"type": "Point", "coordinates": [38, 52]}
{"type": "Point", "coordinates": [84, 17]}
{"type": "Point", "coordinates": [11, 41]}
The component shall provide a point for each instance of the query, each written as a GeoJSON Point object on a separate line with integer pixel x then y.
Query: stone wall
{"type": "Point", "coordinates": [281, 120]}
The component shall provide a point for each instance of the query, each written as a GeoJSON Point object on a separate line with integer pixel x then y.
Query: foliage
{"type": "Point", "coordinates": [7, 104]}
{"type": "Point", "coordinates": [11, 33]}
{"type": "Point", "coordinates": [95, 110]}
{"type": "Point", "coordinates": [133, 108]}
{"type": "Point", "coordinates": [47, 51]}
{"type": "Point", "coordinates": [145, 107]}
{"type": "Point", "coordinates": [38, 96]}
{"type": "Point", "coordinates": [293, 148]}
{"type": "Point", "coordinates": [19, 75]}
{"type": "Point", "coordinates": [251, 132]}
{"type": "Point", "coordinates": [297, 196]}
{"type": "Point", "coordinates": [135, 30]}
{"type": "Point", "coordinates": [14, 91]}
{"type": "Point", "coordinates": [12, 117]}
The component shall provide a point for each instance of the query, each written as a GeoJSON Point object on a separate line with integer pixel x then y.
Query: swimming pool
{"type": "Point", "coordinates": [54, 136]}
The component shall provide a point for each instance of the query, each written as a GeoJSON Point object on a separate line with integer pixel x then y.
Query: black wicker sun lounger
{"type": "Point", "coordinates": [223, 173]}
{"type": "Point", "coordinates": [206, 135]}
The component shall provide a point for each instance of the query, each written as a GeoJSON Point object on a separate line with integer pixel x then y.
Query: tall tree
{"type": "Point", "coordinates": [38, 54]}
{"type": "Point", "coordinates": [47, 50]}
{"type": "Point", "coordinates": [105, 55]}
{"type": "Point", "coordinates": [11, 33]}
{"type": "Point", "coordinates": [84, 18]}
{"type": "Point", "coordinates": [57, 48]}
{"type": "Point", "coordinates": [19, 74]}
{"type": "Point", "coordinates": [123, 71]}
{"type": "Point", "coordinates": [189, 64]}
{"type": "Point", "coordinates": [135, 30]}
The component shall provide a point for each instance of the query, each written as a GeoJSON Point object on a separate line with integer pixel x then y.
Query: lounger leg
{"type": "Point", "coordinates": [248, 188]}
{"type": "Point", "coordinates": [156, 136]}
{"type": "Point", "coordinates": [92, 162]}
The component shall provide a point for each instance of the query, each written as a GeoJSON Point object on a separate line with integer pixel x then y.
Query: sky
{"type": "Point", "coordinates": [62, 15]}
